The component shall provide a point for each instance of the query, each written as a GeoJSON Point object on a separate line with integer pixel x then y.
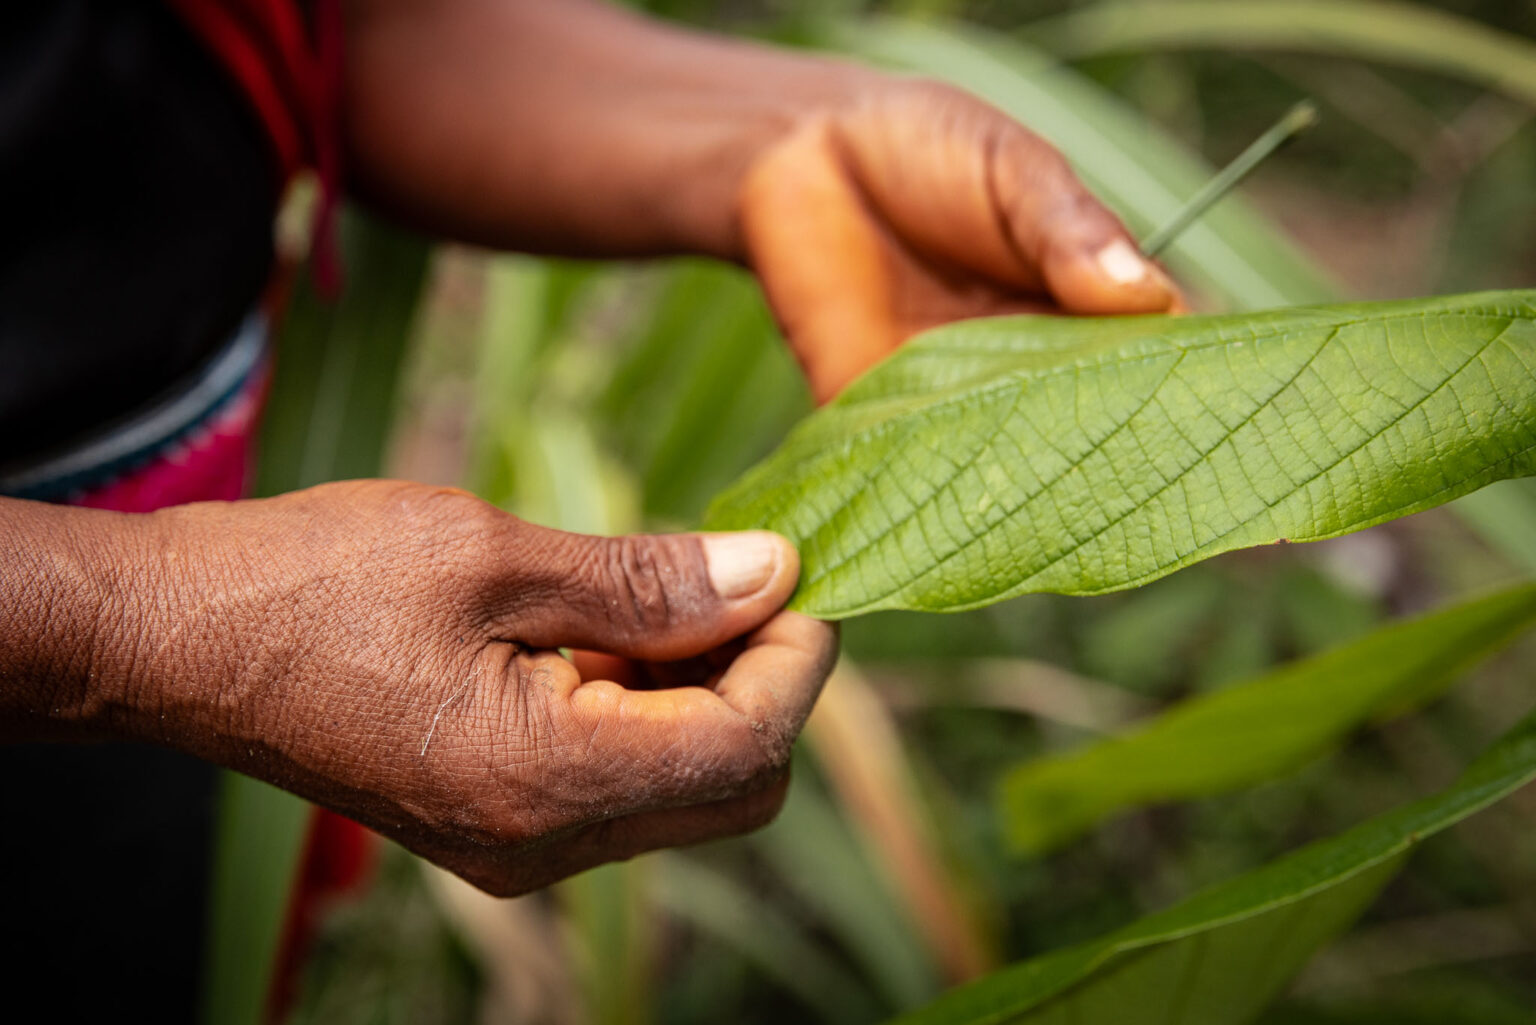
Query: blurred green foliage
{"type": "Point", "coordinates": [624, 396]}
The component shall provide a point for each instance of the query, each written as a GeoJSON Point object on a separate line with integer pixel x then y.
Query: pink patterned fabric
{"type": "Point", "coordinates": [214, 462]}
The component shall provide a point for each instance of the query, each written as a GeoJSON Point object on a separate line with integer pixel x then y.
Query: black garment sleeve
{"type": "Point", "coordinates": [138, 193]}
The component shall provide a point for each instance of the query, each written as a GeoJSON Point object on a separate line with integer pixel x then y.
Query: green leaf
{"type": "Point", "coordinates": [1408, 35]}
{"type": "Point", "coordinates": [704, 388]}
{"type": "Point", "coordinates": [1250, 732]}
{"type": "Point", "coordinates": [816, 856]}
{"type": "Point", "coordinates": [996, 457]}
{"type": "Point", "coordinates": [1221, 955]}
{"type": "Point", "coordinates": [782, 949]}
{"type": "Point", "coordinates": [338, 363]}
{"type": "Point", "coordinates": [258, 837]}
{"type": "Point", "coordinates": [609, 929]}
{"type": "Point", "coordinates": [1504, 514]}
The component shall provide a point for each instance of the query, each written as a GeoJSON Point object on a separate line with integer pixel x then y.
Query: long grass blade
{"type": "Point", "coordinates": [1233, 255]}
{"type": "Point", "coordinates": [1296, 120]}
{"type": "Point", "coordinates": [1404, 34]}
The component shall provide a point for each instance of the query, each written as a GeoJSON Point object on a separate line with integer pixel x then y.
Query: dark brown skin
{"type": "Point", "coordinates": [870, 206]}
{"type": "Point", "coordinates": [385, 649]}
{"type": "Point", "coordinates": [388, 649]}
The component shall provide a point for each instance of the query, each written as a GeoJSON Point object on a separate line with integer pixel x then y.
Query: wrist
{"type": "Point", "coordinates": [566, 127]}
{"type": "Point", "coordinates": [125, 626]}
{"type": "Point", "coordinates": [67, 633]}
{"type": "Point", "coordinates": [792, 90]}
{"type": "Point", "coordinates": [194, 651]}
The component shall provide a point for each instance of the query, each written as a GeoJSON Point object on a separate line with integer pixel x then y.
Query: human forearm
{"type": "Point", "coordinates": [871, 206]}
{"type": "Point", "coordinates": [131, 626]}
{"type": "Point", "coordinates": [65, 578]}
{"type": "Point", "coordinates": [568, 126]}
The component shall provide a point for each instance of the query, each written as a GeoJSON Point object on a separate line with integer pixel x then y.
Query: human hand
{"type": "Point", "coordinates": [911, 204]}
{"type": "Point", "coordinates": [870, 206]}
{"type": "Point", "coordinates": [389, 650]}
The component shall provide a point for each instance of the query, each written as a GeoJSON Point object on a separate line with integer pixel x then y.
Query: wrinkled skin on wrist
{"type": "Point", "coordinates": [388, 650]}
{"type": "Point", "coordinates": [914, 204]}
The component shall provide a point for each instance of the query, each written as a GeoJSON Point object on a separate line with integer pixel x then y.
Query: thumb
{"type": "Point", "coordinates": [655, 597]}
{"type": "Point", "coordinates": [1090, 264]}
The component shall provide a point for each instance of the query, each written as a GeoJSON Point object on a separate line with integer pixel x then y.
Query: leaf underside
{"type": "Point", "coordinates": [996, 457]}
{"type": "Point", "coordinates": [1221, 955]}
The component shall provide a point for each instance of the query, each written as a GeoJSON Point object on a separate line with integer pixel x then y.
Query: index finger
{"type": "Point", "coordinates": [689, 745]}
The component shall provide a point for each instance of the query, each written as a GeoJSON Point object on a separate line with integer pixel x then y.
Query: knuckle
{"type": "Point", "coordinates": [748, 756]}
{"type": "Point", "coordinates": [1045, 181]}
{"type": "Point", "coordinates": [910, 102]}
{"type": "Point", "coordinates": [645, 584]}
{"type": "Point", "coordinates": [427, 528]}
{"type": "Point", "coordinates": [452, 513]}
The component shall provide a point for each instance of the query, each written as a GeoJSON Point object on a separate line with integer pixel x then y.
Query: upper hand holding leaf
{"type": "Point", "coordinates": [915, 204]}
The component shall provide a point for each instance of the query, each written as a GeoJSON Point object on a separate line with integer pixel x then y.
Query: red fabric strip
{"type": "Point", "coordinates": [294, 86]}
{"type": "Point", "coordinates": [246, 58]}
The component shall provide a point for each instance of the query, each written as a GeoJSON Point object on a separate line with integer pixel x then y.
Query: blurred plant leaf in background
{"type": "Point", "coordinates": [1221, 955]}
{"type": "Point", "coordinates": [731, 912]}
{"type": "Point", "coordinates": [704, 386]}
{"type": "Point", "coordinates": [1250, 732]}
{"type": "Point", "coordinates": [859, 750]}
{"type": "Point", "coordinates": [996, 457]}
{"type": "Point", "coordinates": [1138, 170]}
{"type": "Point", "coordinates": [1433, 998]}
{"type": "Point", "coordinates": [1505, 515]}
{"type": "Point", "coordinates": [1411, 35]}
{"type": "Point", "coordinates": [338, 362]}
{"type": "Point", "coordinates": [811, 847]}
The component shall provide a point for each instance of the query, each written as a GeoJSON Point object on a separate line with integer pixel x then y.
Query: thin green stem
{"type": "Point", "coordinates": [1296, 120]}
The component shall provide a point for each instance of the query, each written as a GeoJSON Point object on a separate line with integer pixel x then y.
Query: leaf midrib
{"type": "Point", "coordinates": [965, 392]}
{"type": "Point", "coordinates": [1010, 379]}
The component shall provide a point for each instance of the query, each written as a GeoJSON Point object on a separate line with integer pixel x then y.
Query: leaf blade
{"type": "Point", "coordinates": [1252, 731]}
{"type": "Point", "coordinates": [1323, 885]}
{"type": "Point", "coordinates": [1405, 34]}
{"type": "Point", "coordinates": [999, 457]}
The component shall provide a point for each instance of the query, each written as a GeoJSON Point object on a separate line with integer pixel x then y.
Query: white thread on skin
{"type": "Point", "coordinates": [444, 707]}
